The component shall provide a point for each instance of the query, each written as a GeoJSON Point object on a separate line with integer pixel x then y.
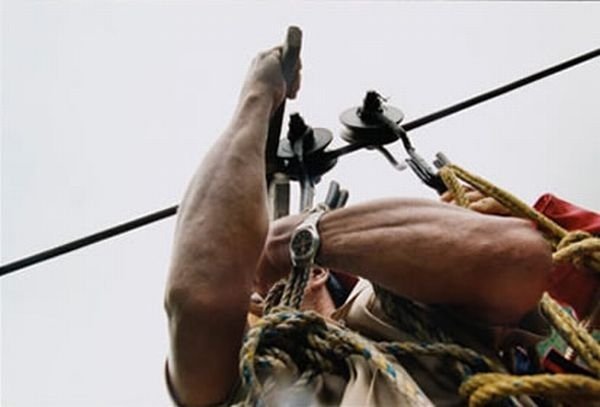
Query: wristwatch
{"type": "Point", "coordinates": [305, 240]}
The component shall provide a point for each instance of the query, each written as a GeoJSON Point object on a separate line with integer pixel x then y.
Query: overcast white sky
{"type": "Point", "coordinates": [108, 107]}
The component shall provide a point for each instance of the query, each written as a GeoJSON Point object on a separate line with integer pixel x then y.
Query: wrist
{"type": "Point", "coordinates": [306, 241]}
{"type": "Point", "coordinates": [256, 96]}
{"type": "Point", "coordinates": [261, 94]}
{"type": "Point", "coordinates": [277, 249]}
{"type": "Point", "coordinates": [327, 235]}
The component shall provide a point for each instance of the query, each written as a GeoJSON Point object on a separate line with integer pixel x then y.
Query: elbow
{"type": "Point", "coordinates": [202, 300]}
{"type": "Point", "coordinates": [180, 302]}
{"type": "Point", "coordinates": [185, 307]}
{"type": "Point", "coordinates": [523, 276]}
{"type": "Point", "coordinates": [176, 301]}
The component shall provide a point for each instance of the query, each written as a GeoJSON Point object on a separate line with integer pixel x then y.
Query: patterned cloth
{"type": "Point", "coordinates": [576, 289]}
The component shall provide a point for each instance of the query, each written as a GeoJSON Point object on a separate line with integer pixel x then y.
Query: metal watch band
{"type": "Point", "coordinates": [306, 241]}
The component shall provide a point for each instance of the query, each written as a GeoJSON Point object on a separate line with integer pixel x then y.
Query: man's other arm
{"type": "Point", "coordinates": [494, 268]}
{"type": "Point", "coordinates": [220, 234]}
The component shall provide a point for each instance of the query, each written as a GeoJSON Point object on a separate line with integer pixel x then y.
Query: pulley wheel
{"type": "Point", "coordinates": [321, 139]}
{"type": "Point", "coordinates": [314, 165]}
{"type": "Point", "coordinates": [373, 133]}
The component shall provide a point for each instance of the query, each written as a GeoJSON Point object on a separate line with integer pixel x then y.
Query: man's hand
{"type": "Point", "coordinates": [478, 202]}
{"type": "Point", "coordinates": [275, 262]}
{"type": "Point", "coordinates": [266, 77]}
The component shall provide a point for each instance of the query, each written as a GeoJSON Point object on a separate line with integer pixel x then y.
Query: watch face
{"type": "Point", "coordinates": [302, 243]}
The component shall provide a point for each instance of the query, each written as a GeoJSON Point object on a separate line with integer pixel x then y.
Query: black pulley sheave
{"type": "Point", "coordinates": [366, 124]}
{"type": "Point", "coordinates": [374, 124]}
{"type": "Point", "coordinates": [304, 149]}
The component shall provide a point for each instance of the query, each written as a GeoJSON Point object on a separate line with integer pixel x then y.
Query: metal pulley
{"type": "Point", "coordinates": [374, 124]}
{"type": "Point", "coordinates": [303, 149]}
{"type": "Point", "coordinates": [366, 124]}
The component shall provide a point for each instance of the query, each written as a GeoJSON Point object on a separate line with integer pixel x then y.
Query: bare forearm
{"type": "Point", "coordinates": [220, 233]}
{"type": "Point", "coordinates": [438, 253]}
{"type": "Point", "coordinates": [435, 253]}
{"type": "Point", "coordinates": [223, 221]}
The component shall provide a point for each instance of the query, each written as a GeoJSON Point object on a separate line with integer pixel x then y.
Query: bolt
{"type": "Point", "coordinates": [297, 127]}
{"type": "Point", "coordinates": [371, 106]}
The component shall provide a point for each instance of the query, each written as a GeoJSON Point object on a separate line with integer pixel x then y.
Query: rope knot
{"type": "Point", "coordinates": [573, 237]}
{"type": "Point", "coordinates": [274, 296]}
{"type": "Point", "coordinates": [579, 247]}
{"type": "Point", "coordinates": [287, 341]}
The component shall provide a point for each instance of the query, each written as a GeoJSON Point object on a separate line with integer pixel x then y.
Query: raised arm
{"type": "Point", "coordinates": [495, 268]}
{"type": "Point", "coordinates": [220, 234]}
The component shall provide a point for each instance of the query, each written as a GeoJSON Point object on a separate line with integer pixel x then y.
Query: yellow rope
{"type": "Point", "coordinates": [578, 247]}
{"type": "Point", "coordinates": [487, 387]}
{"type": "Point", "coordinates": [510, 202]}
{"type": "Point", "coordinates": [574, 334]}
{"type": "Point", "coordinates": [454, 186]}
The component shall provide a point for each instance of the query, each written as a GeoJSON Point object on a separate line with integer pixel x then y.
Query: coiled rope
{"type": "Point", "coordinates": [286, 341]}
{"type": "Point", "coordinates": [305, 344]}
{"type": "Point", "coordinates": [487, 387]}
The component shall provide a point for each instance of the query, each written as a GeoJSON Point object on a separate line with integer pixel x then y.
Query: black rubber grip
{"type": "Point", "coordinates": [333, 194]}
{"type": "Point", "coordinates": [291, 54]}
{"type": "Point", "coordinates": [343, 198]}
{"type": "Point", "coordinates": [289, 59]}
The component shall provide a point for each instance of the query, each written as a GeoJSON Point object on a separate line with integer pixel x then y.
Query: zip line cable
{"type": "Point", "coordinates": [484, 97]}
{"type": "Point", "coordinates": [88, 240]}
{"type": "Point", "coordinates": [168, 212]}
{"type": "Point", "coordinates": [501, 90]}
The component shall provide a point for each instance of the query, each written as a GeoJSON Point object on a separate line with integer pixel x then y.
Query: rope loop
{"type": "Point", "coordinates": [572, 237]}
{"type": "Point", "coordinates": [484, 388]}
{"type": "Point", "coordinates": [299, 345]}
{"type": "Point", "coordinates": [580, 248]}
{"type": "Point", "coordinates": [454, 186]}
{"type": "Point", "coordinates": [518, 208]}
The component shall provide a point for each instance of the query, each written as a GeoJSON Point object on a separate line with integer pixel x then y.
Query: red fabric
{"type": "Point", "coordinates": [569, 284]}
